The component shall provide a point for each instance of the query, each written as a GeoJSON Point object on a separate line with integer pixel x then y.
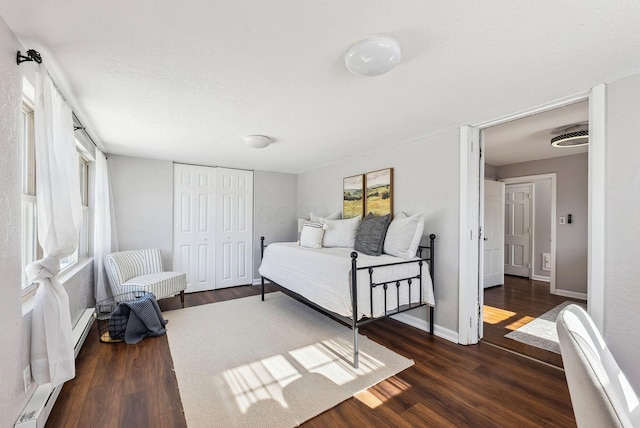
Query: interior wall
{"type": "Point", "coordinates": [622, 242]}
{"type": "Point", "coordinates": [143, 202]}
{"type": "Point", "coordinates": [542, 238]}
{"type": "Point", "coordinates": [275, 196]}
{"type": "Point", "coordinates": [426, 179]}
{"type": "Point", "coordinates": [490, 172]}
{"type": "Point", "coordinates": [15, 353]}
{"type": "Point", "coordinates": [80, 289]}
{"type": "Point", "coordinates": [571, 198]}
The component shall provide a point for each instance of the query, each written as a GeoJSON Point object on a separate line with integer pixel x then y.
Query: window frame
{"type": "Point", "coordinates": [30, 247]}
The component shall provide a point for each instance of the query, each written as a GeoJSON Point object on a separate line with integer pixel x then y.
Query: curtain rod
{"type": "Point", "coordinates": [34, 55]}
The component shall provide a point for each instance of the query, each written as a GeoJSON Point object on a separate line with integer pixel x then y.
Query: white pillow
{"type": "Point", "coordinates": [404, 235]}
{"type": "Point", "coordinates": [335, 216]}
{"type": "Point", "coordinates": [311, 235]}
{"type": "Point", "coordinates": [341, 233]}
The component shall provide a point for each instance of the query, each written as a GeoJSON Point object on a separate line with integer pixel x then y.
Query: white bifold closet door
{"type": "Point", "coordinates": [234, 227]}
{"type": "Point", "coordinates": [213, 226]}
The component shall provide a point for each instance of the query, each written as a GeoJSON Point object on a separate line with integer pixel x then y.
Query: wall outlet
{"type": "Point", "coordinates": [26, 378]}
{"type": "Point", "coordinates": [546, 261]}
{"type": "Point", "coordinates": [562, 220]}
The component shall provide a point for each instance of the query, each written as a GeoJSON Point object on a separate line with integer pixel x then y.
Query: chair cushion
{"type": "Point", "coordinates": [162, 284]}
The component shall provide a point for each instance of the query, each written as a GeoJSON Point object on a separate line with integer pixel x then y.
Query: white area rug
{"type": "Point", "coordinates": [541, 332]}
{"type": "Point", "coordinates": [277, 363]}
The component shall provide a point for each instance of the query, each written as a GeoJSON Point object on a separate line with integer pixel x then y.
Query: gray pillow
{"type": "Point", "coordinates": [370, 236]}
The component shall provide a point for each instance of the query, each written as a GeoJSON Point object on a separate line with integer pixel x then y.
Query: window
{"type": "Point", "coordinates": [83, 238]}
{"type": "Point", "coordinates": [31, 250]}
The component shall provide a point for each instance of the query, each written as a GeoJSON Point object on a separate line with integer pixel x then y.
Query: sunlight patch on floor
{"type": "Point", "coordinates": [332, 359]}
{"type": "Point", "coordinates": [493, 315]}
{"type": "Point", "coordinates": [382, 392]}
{"type": "Point", "coordinates": [261, 380]}
{"type": "Point", "coordinates": [522, 321]}
{"type": "Point", "coordinates": [266, 379]}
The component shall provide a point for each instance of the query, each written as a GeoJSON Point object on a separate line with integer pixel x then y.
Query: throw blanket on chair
{"type": "Point", "coordinates": [137, 319]}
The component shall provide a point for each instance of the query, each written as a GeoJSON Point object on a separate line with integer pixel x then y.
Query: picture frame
{"type": "Point", "coordinates": [353, 196]}
{"type": "Point", "coordinates": [379, 192]}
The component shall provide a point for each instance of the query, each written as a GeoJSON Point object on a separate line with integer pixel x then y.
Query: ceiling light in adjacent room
{"type": "Point", "coordinates": [257, 141]}
{"type": "Point", "coordinates": [571, 139]}
{"type": "Point", "coordinates": [373, 56]}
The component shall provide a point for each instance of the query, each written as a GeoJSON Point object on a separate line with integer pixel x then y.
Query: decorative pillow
{"type": "Point", "coordinates": [370, 236]}
{"type": "Point", "coordinates": [335, 216]}
{"type": "Point", "coordinates": [311, 235]}
{"type": "Point", "coordinates": [404, 235]}
{"type": "Point", "coordinates": [341, 233]}
{"type": "Point", "coordinates": [300, 225]}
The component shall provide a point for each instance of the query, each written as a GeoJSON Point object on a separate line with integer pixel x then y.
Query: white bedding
{"type": "Point", "coordinates": [323, 276]}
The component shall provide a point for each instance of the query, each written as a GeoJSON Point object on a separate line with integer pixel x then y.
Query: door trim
{"type": "Point", "coordinates": [470, 271]}
{"type": "Point", "coordinates": [596, 205]}
{"type": "Point", "coordinates": [529, 178]}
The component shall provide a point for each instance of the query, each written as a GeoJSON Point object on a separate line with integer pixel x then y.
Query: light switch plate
{"type": "Point", "coordinates": [562, 220]}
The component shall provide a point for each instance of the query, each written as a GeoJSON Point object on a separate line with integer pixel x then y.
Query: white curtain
{"type": "Point", "coordinates": [59, 221]}
{"type": "Point", "coordinates": [104, 227]}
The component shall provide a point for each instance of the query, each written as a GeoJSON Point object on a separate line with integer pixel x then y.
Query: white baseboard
{"type": "Point", "coordinates": [541, 278]}
{"type": "Point", "coordinates": [572, 294]}
{"type": "Point", "coordinates": [422, 324]}
{"type": "Point", "coordinates": [37, 410]}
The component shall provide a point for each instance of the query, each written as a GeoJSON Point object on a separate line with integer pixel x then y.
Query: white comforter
{"type": "Point", "coordinates": [323, 276]}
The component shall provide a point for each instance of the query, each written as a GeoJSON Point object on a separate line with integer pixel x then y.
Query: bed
{"type": "Point", "coordinates": [341, 282]}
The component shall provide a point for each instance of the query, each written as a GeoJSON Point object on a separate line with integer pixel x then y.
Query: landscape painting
{"type": "Point", "coordinates": [353, 196]}
{"type": "Point", "coordinates": [379, 197]}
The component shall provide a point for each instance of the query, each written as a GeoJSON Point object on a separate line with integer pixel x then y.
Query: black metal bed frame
{"type": "Point", "coordinates": [353, 322]}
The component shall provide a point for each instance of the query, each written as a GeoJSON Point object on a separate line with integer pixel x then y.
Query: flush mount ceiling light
{"type": "Point", "coordinates": [373, 56]}
{"type": "Point", "coordinates": [257, 141]}
{"type": "Point", "coordinates": [571, 139]}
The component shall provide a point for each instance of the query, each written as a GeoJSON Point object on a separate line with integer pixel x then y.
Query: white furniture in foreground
{"type": "Point", "coordinates": [600, 393]}
{"type": "Point", "coordinates": [134, 271]}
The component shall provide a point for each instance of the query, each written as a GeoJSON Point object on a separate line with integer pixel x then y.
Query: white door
{"type": "Point", "coordinates": [517, 230]}
{"type": "Point", "coordinates": [194, 225]}
{"type": "Point", "coordinates": [493, 231]}
{"type": "Point", "coordinates": [234, 227]}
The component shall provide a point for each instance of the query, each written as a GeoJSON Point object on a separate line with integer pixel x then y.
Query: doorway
{"type": "Point", "coordinates": [471, 169]}
{"type": "Point", "coordinates": [529, 290]}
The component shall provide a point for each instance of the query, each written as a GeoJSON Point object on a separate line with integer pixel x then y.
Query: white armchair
{"type": "Point", "coordinates": [134, 271]}
{"type": "Point", "coordinates": [600, 393]}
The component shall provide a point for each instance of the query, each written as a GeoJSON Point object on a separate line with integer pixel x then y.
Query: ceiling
{"type": "Point", "coordinates": [186, 81]}
{"type": "Point", "coordinates": [529, 138]}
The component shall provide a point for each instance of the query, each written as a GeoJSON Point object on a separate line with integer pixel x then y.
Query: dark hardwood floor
{"type": "Point", "coordinates": [450, 385]}
{"type": "Point", "coordinates": [509, 306]}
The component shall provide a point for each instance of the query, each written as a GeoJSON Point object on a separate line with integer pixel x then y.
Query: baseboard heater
{"type": "Point", "coordinates": [38, 408]}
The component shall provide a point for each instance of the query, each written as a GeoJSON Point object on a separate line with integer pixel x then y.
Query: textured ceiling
{"type": "Point", "coordinates": [529, 138]}
{"type": "Point", "coordinates": [187, 80]}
